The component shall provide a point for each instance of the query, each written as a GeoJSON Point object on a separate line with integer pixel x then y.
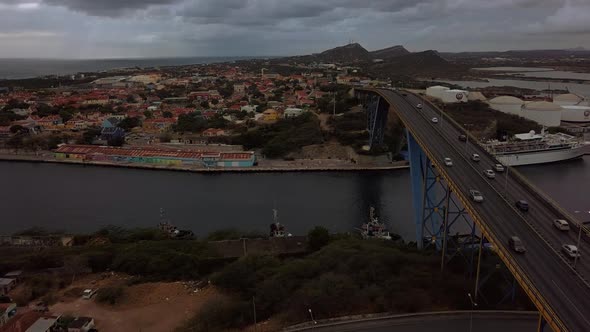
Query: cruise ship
{"type": "Point", "coordinates": [532, 148]}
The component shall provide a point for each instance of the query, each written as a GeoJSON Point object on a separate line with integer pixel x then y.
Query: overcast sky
{"type": "Point", "coordinates": [159, 28]}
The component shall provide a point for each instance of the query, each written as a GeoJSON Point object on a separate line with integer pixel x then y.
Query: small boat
{"type": "Point", "coordinates": [276, 229]}
{"type": "Point", "coordinates": [374, 229]}
{"type": "Point", "coordinates": [172, 231]}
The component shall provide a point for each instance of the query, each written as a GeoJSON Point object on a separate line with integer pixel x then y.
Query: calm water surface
{"type": "Point", "coordinates": [82, 199]}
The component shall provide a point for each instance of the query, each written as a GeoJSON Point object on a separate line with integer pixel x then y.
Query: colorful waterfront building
{"type": "Point", "coordinates": [157, 156]}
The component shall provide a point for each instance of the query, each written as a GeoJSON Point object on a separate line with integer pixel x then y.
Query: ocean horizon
{"type": "Point", "coordinates": [13, 68]}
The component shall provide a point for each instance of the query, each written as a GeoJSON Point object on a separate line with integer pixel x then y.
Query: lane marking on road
{"type": "Point", "coordinates": [571, 303]}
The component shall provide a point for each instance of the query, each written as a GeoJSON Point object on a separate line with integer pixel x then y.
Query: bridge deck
{"type": "Point", "coordinates": [561, 293]}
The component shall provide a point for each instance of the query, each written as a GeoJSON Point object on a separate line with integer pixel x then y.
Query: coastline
{"type": "Point", "coordinates": [28, 158]}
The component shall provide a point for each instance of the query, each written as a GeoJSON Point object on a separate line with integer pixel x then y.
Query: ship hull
{"type": "Point", "coordinates": [540, 157]}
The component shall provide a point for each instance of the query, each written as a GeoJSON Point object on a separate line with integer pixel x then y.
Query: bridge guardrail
{"type": "Point", "coordinates": [522, 180]}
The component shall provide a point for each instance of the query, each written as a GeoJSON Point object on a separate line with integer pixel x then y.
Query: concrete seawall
{"type": "Point", "coordinates": [255, 169]}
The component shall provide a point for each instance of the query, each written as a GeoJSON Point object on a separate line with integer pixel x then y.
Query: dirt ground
{"type": "Point", "coordinates": [160, 306]}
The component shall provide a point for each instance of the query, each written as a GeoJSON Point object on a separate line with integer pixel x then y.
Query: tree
{"type": "Point", "coordinates": [165, 137]}
{"type": "Point", "coordinates": [129, 123]}
{"type": "Point", "coordinates": [167, 114]}
{"type": "Point", "coordinates": [214, 101]}
{"type": "Point", "coordinates": [192, 122]}
{"type": "Point", "coordinates": [148, 114]}
{"type": "Point", "coordinates": [204, 104]}
{"type": "Point", "coordinates": [116, 141]}
{"type": "Point", "coordinates": [109, 295]}
{"type": "Point", "coordinates": [66, 115]}
{"type": "Point", "coordinates": [15, 142]}
{"type": "Point", "coordinates": [17, 129]}
{"type": "Point", "coordinates": [89, 135]}
{"type": "Point", "coordinates": [317, 238]}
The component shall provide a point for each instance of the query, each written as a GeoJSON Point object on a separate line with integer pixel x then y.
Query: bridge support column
{"type": "Point", "coordinates": [428, 196]}
{"type": "Point", "coordinates": [377, 110]}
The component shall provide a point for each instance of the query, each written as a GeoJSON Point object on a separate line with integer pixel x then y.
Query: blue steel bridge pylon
{"type": "Point", "coordinates": [438, 213]}
{"type": "Point", "coordinates": [436, 209]}
{"type": "Point", "coordinates": [377, 110]}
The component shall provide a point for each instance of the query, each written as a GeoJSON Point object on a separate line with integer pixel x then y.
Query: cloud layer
{"type": "Point", "coordinates": [120, 28]}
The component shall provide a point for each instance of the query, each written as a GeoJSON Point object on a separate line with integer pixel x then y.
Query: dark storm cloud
{"type": "Point", "coordinates": [107, 7]}
{"type": "Point", "coordinates": [281, 27]}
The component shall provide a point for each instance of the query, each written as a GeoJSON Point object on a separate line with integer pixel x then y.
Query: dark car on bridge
{"type": "Point", "coordinates": [522, 205]}
{"type": "Point", "coordinates": [462, 138]}
{"type": "Point", "coordinates": [516, 244]}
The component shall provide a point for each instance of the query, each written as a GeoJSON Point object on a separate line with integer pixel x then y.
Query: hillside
{"type": "Point", "coordinates": [389, 52]}
{"type": "Point", "coordinates": [427, 62]}
{"type": "Point", "coordinates": [345, 54]}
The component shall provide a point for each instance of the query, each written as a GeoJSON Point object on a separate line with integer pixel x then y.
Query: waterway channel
{"type": "Point", "coordinates": [84, 198]}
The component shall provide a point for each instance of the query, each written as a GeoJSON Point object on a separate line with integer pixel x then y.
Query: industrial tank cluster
{"type": "Point", "coordinates": [566, 107]}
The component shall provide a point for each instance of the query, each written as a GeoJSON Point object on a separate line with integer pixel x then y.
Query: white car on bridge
{"type": "Point", "coordinates": [489, 174]}
{"type": "Point", "coordinates": [571, 251]}
{"type": "Point", "coordinates": [561, 224]}
{"type": "Point", "coordinates": [475, 195]}
{"type": "Point", "coordinates": [448, 162]}
{"type": "Point", "coordinates": [434, 120]}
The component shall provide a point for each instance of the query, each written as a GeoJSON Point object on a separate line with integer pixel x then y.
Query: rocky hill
{"type": "Point", "coordinates": [389, 52]}
{"type": "Point", "coordinates": [419, 63]}
{"type": "Point", "coordinates": [345, 54]}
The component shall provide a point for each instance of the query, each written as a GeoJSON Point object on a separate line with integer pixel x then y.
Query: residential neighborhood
{"type": "Point", "coordinates": [216, 108]}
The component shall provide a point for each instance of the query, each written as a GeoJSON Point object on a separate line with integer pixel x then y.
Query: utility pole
{"type": "Point", "coordinates": [578, 245]}
{"type": "Point", "coordinates": [334, 102]}
{"type": "Point", "coordinates": [506, 182]}
{"type": "Point", "coordinates": [254, 309]}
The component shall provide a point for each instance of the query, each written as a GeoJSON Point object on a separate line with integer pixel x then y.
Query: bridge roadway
{"type": "Point", "coordinates": [559, 291]}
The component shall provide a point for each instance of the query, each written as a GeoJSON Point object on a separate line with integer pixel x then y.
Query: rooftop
{"type": "Point", "coordinates": [150, 152]}
{"type": "Point", "coordinates": [42, 324]}
{"type": "Point", "coordinates": [6, 281]}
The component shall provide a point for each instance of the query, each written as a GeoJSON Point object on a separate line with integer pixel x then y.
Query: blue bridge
{"type": "Point", "coordinates": [557, 285]}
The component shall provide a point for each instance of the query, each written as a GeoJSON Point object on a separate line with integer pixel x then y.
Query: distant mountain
{"type": "Point", "coordinates": [524, 54]}
{"type": "Point", "coordinates": [575, 49]}
{"type": "Point", "coordinates": [345, 54]}
{"type": "Point", "coordinates": [427, 62]}
{"type": "Point", "coordinates": [390, 52]}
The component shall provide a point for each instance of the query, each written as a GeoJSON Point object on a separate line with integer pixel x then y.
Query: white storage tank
{"type": "Point", "coordinates": [543, 112]}
{"type": "Point", "coordinates": [455, 96]}
{"type": "Point", "coordinates": [507, 104]}
{"type": "Point", "coordinates": [436, 91]}
{"type": "Point", "coordinates": [568, 99]}
{"type": "Point", "coordinates": [575, 113]}
{"type": "Point", "coordinates": [476, 95]}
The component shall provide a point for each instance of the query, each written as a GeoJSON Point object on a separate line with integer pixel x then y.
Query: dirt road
{"type": "Point", "coordinates": [150, 307]}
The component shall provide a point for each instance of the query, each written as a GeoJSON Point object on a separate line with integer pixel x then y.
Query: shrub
{"type": "Point", "coordinates": [317, 238]}
{"type": "Point", "coordinates": [219, 314]}
{"type": "Point", "coordinates": [243, 275]}
{"type": "Point", "coordinates": [109, 295]}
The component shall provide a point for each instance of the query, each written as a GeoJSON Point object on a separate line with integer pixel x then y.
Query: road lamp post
{"type": "Point", "coordinates": [506, 182]}
{"type": "Point", "coordinates": [473, 305]}
{"type": "Point", "coordinates": [312, 319]}
{"type": "Point", "coordinates": [467, 125]}
{"type": "Point", "coordinates": [579, 238]}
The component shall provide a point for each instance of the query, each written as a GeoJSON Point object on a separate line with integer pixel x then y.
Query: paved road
{"type": "Point", "coordinates": [565, 292]}
{"type": "Point", "coordinates": [441, 324]}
